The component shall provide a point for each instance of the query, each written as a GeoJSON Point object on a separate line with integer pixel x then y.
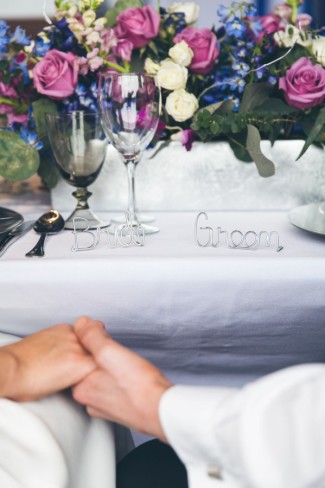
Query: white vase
{"type": "Point", "coordinates": [208, 177]}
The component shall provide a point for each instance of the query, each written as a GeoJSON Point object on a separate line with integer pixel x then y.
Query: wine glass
{"type": "Point", "coordinates": [79, 146]}
{"type": "Point", "coordinates": [129, 105]}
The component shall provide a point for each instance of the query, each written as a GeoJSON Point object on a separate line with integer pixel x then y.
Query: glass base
{"type": "Point", "coordinates": [142, 218]}
{"type": "Point", "coordinates": [80, 219]}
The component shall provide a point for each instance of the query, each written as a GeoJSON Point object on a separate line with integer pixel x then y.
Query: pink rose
{"type": "Point", "coordinates": [270, 24]}
{"type": "Point", "coordinates": [56, 75]}
{"type": "Point", "coordinates": [138, 25]}
{"type": "Point", "coordinates": [204, 45]}
{"type": "Point", "coordinates": [303, 21]}
{"type": "Point", "coordinates": [303, 84]}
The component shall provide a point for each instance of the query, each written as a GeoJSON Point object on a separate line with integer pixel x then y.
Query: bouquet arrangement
{"type": "Point", "coordinates": [253, 77]}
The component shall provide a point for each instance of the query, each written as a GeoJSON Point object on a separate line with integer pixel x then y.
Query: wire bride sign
{"type": "Point", "coordinates": [125, 235]}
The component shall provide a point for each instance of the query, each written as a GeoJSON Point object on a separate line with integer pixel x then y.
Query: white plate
{"type": "Point", "coordinates": [309, 217]}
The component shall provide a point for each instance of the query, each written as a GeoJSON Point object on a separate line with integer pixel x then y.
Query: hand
{"type": "Point", "coordinates": [43, 363]}
{"type": "Point", "coordinates": [125, 388]}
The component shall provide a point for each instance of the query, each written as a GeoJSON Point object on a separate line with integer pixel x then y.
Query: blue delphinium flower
{"type": "Point", "coordinates": [223, 13]}
{"type": "Point", "coordinates": [63, 39]}
{"type": "Point", "coordinates": [93, 90]}
{"type": "Point", "coordinates": [250, 10]}
{"type": "Point", "coordinates": [41, 46]}
{"type": "Point", "coordinates": [235, 27]}
{"type": "Point", "coordinates": [256, 27]}
{"type": "Point", "coordinates": [241, 68]}
{"type": "Point", "coordinates": [19, 62]}
{"type": "Point", "coordinates": [241, 52]}
{"type": "Point", "coordinates": [272, 80]}
{"type": "Point", "coordinates": [83, 98]}
{"type": "Point", "coordinates": [4, 39]}
{"type": "Point", "coordinates": [175, 21]}
{"type": "Point", "coordinates": [20, 37]}
{"type": "Point", "coordinates": [30, 137]}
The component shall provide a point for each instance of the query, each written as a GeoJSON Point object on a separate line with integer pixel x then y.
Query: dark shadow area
{"type": "Point", "coordinates": [31, 26]}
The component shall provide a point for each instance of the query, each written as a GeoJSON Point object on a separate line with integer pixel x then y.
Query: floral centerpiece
{"type": "Point", "coordinates": [253, 77]}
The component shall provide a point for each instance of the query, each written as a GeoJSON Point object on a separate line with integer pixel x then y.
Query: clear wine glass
{"type": "Point", "coordinates": [129, 105]}
{"type": "Point", "coordinates": [79, 146]}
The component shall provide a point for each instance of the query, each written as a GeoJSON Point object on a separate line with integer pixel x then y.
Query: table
{"type": "Point", "coordinates": [204, 315]}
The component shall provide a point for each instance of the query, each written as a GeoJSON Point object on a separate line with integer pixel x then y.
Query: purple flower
{"type": "Point", "coordinates": [186, 137]}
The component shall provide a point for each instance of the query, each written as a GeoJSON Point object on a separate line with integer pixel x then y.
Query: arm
{"type": "Point", "coordinates": [268, 434]}
{"type": "Point", "coordinates": [43, 363]}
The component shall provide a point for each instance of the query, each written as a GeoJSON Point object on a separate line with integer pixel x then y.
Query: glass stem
{"type": "Point", "coordinates": [82, 195]}
{"type": "Point", "coordinates": [130, 166]}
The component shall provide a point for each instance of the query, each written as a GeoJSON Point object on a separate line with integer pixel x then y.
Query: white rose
{"type": "Point", "coordinates": [318, 49]}
{"type": "Point", "coordinates": [171, 76]}
{"type": "Point", "coordinates": [151, 67]}
{"type": "Point", "coordinates": [181, 105]}
{"type": "Point", "coordinates": [190, 9]}
{"type": "Point", "coordinates": [181, 53]}
{"type": "Point", "coordinates": [292, 35]}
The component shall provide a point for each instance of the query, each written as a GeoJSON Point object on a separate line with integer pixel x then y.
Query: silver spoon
{"type": "Point", "coordinates": [49, 223]}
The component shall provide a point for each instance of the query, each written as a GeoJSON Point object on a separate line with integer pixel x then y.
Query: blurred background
{"type": "Point", "coordinates": [29, 13]}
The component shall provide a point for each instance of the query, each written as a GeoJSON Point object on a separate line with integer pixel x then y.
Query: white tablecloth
{"type": "Point", "coordinates": [55, 444]}
{"type": "Point", "coordinates": [204, 315]}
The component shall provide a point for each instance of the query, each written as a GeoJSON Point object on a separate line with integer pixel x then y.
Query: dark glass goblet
{"type": "Point", "coordinates": [79, 146]}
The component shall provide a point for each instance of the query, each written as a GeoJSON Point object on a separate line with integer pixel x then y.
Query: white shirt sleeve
{"type": "Point", "coordinates": [268, 434]}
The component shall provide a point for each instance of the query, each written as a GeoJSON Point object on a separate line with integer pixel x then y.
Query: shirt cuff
{"type": "Point", "coordinates": [187, 415]}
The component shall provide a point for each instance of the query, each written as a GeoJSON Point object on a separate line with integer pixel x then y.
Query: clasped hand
{"type": "Point", "coordinates": [111, 381]}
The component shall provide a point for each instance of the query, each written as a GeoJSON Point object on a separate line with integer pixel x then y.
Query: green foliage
{"type": "Point", "coordinates": [92, 4]}
{"type": "Point", "coordinates": [316, 131]}
{"type": "Point", "coordinates": [119, 6]}
{"type": "Point", "coordinates": [18, 160]}
{"type": "Point", "coordinates": [47, 169]}
{"type": "Point", "coordinates": [40, 108]}
{"type": "Point", "coordinates": [259, 114]}
{"type": "Point", "coordinates": [237, 143]}
{"type": "Point", "coordinates": [255, 94]}
{"type": "Point", "coordinates": [265, 167]}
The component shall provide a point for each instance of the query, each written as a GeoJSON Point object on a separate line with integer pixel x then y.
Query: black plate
{"type": "Point", "coordinates": [9, 219]}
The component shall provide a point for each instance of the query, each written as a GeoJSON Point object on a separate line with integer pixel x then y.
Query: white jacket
{"type": "Point", "coordinates": [269, 434]}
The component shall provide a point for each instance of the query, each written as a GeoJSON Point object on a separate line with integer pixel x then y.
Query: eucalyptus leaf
{"type": "Point", "coordinates": [315, 131]}
{"type": "Point", "coordinates": [238, 145]}
{"type": "Point", "coordinates": [18, 160]}
{"type": "Point", "coordinates": [47, 169]}
{"type": "Point", "coordinates": [255, 94]}
{"type": "Point", "coordinates": [40, 108]}
{"type": "Point", "coordinates": [275, 105]}
{"type": "Point", "coordinates": [265, 166]}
